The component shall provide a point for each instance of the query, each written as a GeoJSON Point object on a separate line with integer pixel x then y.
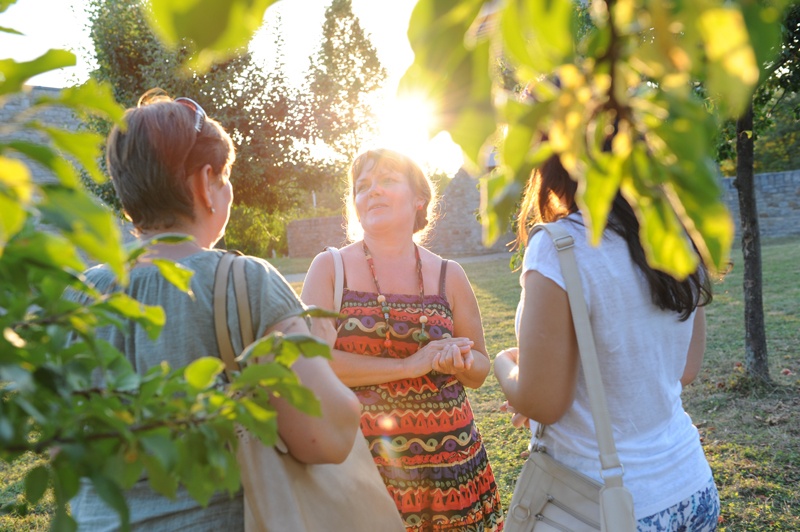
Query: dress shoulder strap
{"type": "Point", "coordinates": [339, 281]}
{"type": "Point", "coordinates": [443, 278]}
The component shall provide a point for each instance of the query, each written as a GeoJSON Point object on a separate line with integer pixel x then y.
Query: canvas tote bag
{"type": "Point", "coordinates": [550, 496]}
{"type": "Point", "coordinates": [282, 494]}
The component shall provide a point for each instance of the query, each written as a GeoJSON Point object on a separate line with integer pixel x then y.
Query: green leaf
{"type": "Point", "coordinates": [91, 97]}
{"type": "Point", "coordinates": [120, 375]}
{"type": "Point", "coordinates": [66, 481]}
{"type": "Point", "coordinates": [86, 224]}
{"type": "Point", "coordinates": [178, 275]}
{"type": "Point", "coordinates": [299, 397]}
{"type": "Point", "coordinates": [84, 146]}
{"type": "Point", "coordinates": [46, 249]}
{"type": "Point", "coordinates": [450, 74]}
{"type": "Point", "coordinates": [160, 478]}
{"type": "Point", "coordinates": [265, 374]}
{"type": "Point", "coordinates": [151, 318]}
{"type": "Point", "coordinates": [216, 27]}
{"type": "Point", "coordinates": [110, 492]}
{"type": "Point", "coordinates": [10, 30]}
{"type": "Point", "coordinates": [287, 353]}
{"type": "Point", "coordinates": [665, 243]}
{"type": "Point", "coordinates": [266, 431]}
{"type": "Point", "coordinates": [162, 449]}
{"type": "Point", "coordinates": [732, 68]}
{"type": "Point", "coordinates": [16, 189]}
{"type": "Point", "coordinates": [14, 74]}
{"type": "Point", "coordinates": [538, 34]}
{"type": "Point", "coordinates": [264, 346]}
{"type": "Point", "coordinates": [5, 4]}
{"type": "Point", "coordinates": [698, 201]}
{"type": "Point", "coordinates": [203, 372]}
{"type": "Point", "coordinates": [763, 23]}
{"type": "Point", "coordinates": [51, 160]}
{"type": "Point", "coordinates": [257, 412]}
{"type": "Point", "coordinates": [36, 483]}
{"type": "Point", "coordinates": [500, 192]}
{"type": "Point", "coordinates": [316, 312]}
{"type": "Point", "coordinates": [310, 346]}
{"type": "Point", "coordinates": [597, 191]}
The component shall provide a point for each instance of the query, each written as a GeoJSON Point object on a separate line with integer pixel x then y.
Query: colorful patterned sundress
{"type": "Point", "coordinates": [421, 431]}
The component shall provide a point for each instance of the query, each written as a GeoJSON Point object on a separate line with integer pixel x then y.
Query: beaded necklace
{"type": "Point", "coordinates": [423, 319]}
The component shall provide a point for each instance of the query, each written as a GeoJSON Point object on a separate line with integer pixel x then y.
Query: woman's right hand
{"type": "Point", "coordinates": [448, 355]}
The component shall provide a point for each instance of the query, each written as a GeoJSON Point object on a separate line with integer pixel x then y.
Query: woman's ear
{"type": "Point", "coordinates": [203, 180]}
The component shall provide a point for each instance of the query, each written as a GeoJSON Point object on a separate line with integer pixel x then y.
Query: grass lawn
{"type": "Point", "coordinates": [751, 437]}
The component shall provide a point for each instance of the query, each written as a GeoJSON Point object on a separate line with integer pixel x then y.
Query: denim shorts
{"type": "Point", "coordinates": [698, 513]}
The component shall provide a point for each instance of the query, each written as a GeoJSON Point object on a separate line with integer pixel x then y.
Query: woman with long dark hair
{"type": "Point", "coordinates": [649, 330]}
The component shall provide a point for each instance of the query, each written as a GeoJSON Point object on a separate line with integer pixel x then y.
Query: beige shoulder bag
{"type": "Point", "coordinates": [549, 495]}
{"type": "Point", "coordinates": [282, 494]}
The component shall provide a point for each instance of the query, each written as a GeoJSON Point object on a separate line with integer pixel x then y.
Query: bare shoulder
{"type": "Point", "coordinates": [427, 255]}
{"type": "Point", "coordinates": [457, 284]}
{"type": "Point", "coordinates": [323, 262]}
{"type": "Point", "coordinates": [351, 249]}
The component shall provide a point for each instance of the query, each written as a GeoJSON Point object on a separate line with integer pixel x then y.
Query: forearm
{"type": "Point", "coordinates": [507, 373]}
{"type": "Point", "coordinates": [329, 437]}
{"type": "Point", "coordinates": [364, 370]}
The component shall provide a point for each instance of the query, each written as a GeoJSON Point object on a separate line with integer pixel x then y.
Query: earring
{"type": "Point", "coordinates": [213, 211]}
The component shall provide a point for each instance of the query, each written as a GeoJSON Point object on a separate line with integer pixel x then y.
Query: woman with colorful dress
{"type": "Point", "coordinates": [409, 343]}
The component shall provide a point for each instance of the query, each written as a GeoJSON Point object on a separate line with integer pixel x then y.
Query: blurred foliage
{"type": "Point", "coordinates": [265, 116]}
{"type": "Point", "coordinates": [776, 108]}
{"type": "Point", "coordinates": [631, 74]}
{"type": "Point", "coordinates": [71, 400]}
{"type": "Point", "coordinates": [260, 233]}
{"type": "Point", "coordinates": [778, 148]}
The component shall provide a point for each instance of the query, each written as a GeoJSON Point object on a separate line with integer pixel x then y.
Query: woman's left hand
{"type": "Point", "coordinates": [517, 420]}
{"type": "Point", "coordinates": [452, 361]}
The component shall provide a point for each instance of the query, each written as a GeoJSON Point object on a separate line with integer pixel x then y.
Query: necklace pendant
{"type": "Point", "coordinates": [387, 343]}
{"type": "Point", "coordinates": [424, 336]}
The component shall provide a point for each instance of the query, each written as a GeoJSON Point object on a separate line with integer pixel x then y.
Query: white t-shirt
{"type": "Point", "coordinates": [642, 353]}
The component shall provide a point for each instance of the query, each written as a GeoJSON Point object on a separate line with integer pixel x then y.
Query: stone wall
{"type": "Point", "coordinates": [458, 231]}
{"type": "Point", "coordinates": [777, 202]}
{"type": "Point", "coordinates": [308, 237]}
{"type": "Point", "coordinates": [18, 108]}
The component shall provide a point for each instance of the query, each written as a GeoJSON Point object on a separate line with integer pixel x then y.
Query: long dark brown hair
{"type": "Point", "coordinates": [550, 196]}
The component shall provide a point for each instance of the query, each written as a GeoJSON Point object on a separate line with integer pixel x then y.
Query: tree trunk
{"type": "Point", "coordinates": [755, 363]}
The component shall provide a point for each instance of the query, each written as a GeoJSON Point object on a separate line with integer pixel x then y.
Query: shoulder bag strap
{"type": "Point", "coordinates": [338, 277]}
{"type": "Point", "coordinates": [221, 313]}
{"type": "Point", "coordinates": [612, 469]}
{"type": "Point", "coordinates": [243, 300]}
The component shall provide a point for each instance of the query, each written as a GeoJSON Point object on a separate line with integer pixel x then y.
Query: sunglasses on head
{"type": "Point", "coordinates": [199, 113]}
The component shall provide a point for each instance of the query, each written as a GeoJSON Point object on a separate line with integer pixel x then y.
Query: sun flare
{"type": "Point", "coordinates": [404, 125]}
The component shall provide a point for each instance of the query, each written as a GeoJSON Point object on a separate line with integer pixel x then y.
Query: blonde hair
{"type": "Point", "coordinates": [420, 184]}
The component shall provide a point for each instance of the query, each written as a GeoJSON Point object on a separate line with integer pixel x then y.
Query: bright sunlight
{"type": "Point", "coordinates": [404, 124]}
